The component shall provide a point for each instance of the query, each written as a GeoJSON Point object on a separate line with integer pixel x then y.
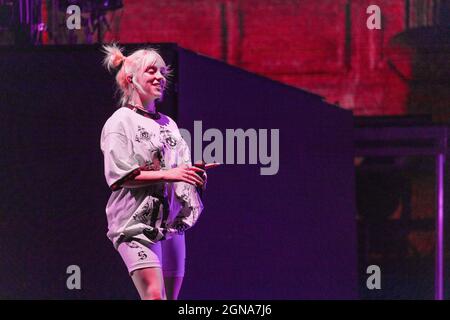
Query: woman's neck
{"type": "Point", "coordinates": [148, 106]}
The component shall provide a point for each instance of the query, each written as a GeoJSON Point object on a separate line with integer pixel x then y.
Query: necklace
{"type": "Point", "coordinates": [143, 112]}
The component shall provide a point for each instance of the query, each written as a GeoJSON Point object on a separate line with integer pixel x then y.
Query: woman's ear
{"type": "Point", "coordinates": [129, 79]}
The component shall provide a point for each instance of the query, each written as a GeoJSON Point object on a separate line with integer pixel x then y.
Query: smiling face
{"type": "Point", "coordinates": [152, 77]}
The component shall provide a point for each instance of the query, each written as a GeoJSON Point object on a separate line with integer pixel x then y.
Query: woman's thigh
{"type": "Point", "coordinates": [144, 265]}
{"type": "Point", "coordinates": [136, 255]}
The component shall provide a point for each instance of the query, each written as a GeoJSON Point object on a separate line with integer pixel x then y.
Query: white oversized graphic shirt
{"type": "Point", "coordinates": [131, 142]}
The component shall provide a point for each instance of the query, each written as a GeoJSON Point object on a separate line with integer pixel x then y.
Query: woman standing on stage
{"type": "Point", "coordinates": [148, 168]}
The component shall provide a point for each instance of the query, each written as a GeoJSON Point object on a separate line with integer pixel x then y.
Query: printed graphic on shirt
{"type": "Point", "coordinates": [149, 213]}
{"type": "Point", "coordinates": [151, 233]}
{"type": "Point", "coordinates": [157, 161]}
{"type": "Point", "coordinates": [143, 135]}
{"type": "Point", "coordinates": [167, 138]}
{"type": "Point", "coordinates": [185, 192]}
{"type": "Point", "coordinates": [183, 152]}
{"type": "Point", "coordinates": [179, 225]}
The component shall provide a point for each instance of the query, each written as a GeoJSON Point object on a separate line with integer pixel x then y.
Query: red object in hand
{"type": "Point", "coordinates": [201, 165]}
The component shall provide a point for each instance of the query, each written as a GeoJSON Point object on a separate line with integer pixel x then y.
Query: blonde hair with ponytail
{"type": "Point", "coordinates": [130, 66]}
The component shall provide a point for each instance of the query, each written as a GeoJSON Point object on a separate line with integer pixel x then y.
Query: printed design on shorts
{"type": "Point", "coordinates": [167, 138]}
{"type": "Point", "coordinates": [149, 213]}
{"type": "Point", "coordinates": [143, 135]}
{"type": "Point", "coordinates": [142, 255]}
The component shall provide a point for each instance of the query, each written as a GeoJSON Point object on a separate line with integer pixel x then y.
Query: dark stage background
{"type": "Point", "coordinates": [286, 236]}
{"type": "Point", "coordinates": [395, 76]}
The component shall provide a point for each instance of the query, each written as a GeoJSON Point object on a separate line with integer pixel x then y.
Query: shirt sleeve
{"type": "Point", "coordinates": [184, 153]}
{"type": "Point", "coordinates": [187, 194]}
{"type": "Point", "coordinates": [120, 163]}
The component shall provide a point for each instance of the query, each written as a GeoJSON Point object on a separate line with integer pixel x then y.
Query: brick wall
{"type": "Point", "coordinates": [322, 46]}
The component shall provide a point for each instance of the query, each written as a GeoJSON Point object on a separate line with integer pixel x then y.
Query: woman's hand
{"type": "Point", "coordinates": [186, 174]}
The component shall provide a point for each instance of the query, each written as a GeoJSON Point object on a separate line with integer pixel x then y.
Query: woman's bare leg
{"type": "Point", "coordinates": [149, 283]}
{"type": "Point", "coordinates": [173, 286]}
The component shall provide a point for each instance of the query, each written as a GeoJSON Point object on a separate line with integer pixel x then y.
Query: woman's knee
{"type": "Point", "coordinates": [150, 283]}
{"type": "Point", "coordinates": [154, 293]}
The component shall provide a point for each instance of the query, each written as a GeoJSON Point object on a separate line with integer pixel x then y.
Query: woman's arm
{"type": "Point", "coordinates": [145, 179]}
{"type": "Point", "coordinates": [182, 173]}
